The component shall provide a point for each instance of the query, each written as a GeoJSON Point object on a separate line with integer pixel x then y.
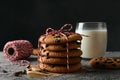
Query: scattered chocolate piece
{"type": "Point", "coordinates": [24, 72]}
{"type": "Point", "coordinates": [17, 73]}
{"type": "Point", "coordinates": [4, 71]}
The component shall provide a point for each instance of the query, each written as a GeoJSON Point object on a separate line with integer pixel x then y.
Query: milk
{"type": "Point", "coordinates": [94, 43]}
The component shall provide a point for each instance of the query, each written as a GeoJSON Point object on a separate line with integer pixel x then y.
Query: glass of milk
{"type": "Point", "coordinates": [94, 40]}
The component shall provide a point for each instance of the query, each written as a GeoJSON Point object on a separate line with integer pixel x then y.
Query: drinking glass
{"type": "Point", "coordinates": [94, 42]}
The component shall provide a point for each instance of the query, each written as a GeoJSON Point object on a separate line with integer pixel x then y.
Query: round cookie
{"type": "Point", "coordinates": [48, 60]}
{"type": "Point", "coordinates": [59, 38]}
{"type": "Point", "coordinates": [53, 54]}
{"type": "Point", "coordinates": [60, 47]}
{"type": "Point", "coordinates": [60, 68]}
{"type": "Point", "coordinates": [106, 63]}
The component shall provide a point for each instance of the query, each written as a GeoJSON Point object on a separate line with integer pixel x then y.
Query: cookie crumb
{"type": "Point", "coordinates": [19, 73]}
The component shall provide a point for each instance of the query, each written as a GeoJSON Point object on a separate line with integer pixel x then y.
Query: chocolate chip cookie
{"type": "Point", "coordinates": [105, 63]}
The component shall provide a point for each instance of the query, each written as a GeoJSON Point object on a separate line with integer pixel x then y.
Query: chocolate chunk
{"type": "Point", "coordinates": [47, 55]}
{"type": "Point", "coordinates": [53, 34]}
{"type": "Point", "coordinates": [96, 59]}
{"type": "Point", "coordinates": [18, 73]}
{"type": "Point", "coordinates": [44, 50]}
{"type": "Point", "coordinates": [57, 40]}
{"type": "Point", "coordinates": [47, 45]}
{"type": "Point", "coordinates": [43, 70]}
{"type": "Point", "coordinates": [4, 71]}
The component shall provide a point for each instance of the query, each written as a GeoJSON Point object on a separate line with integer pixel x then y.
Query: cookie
{"type": "Point", "coordinates": [59, 38]}
{"type": "Point", "coordinates": [48, 60]}
{"type": "Point", "coordinates": [55, 54]}
{"type": "Point", "coordinates": [105, 63]}
{"type": "Point", "coordinates": [60, 47]}
{"type": "Point", "coordinates": [35, 51]}
{"type": "Point", "coordinates": [60, 68]}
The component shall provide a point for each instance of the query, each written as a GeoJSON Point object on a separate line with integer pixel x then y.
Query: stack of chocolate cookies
{"type": "Point", "coordinates": [60, 53]}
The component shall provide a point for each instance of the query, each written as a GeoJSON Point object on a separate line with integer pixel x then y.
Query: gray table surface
{"type": "Point", "coordinates": [99, 74]}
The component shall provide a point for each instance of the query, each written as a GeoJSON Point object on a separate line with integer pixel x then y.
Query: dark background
{"type": "Point", "coordinates": [28, 19]}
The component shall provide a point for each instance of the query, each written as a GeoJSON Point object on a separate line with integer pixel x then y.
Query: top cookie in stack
{"type": "Point", "coordinates": [59, 51]}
